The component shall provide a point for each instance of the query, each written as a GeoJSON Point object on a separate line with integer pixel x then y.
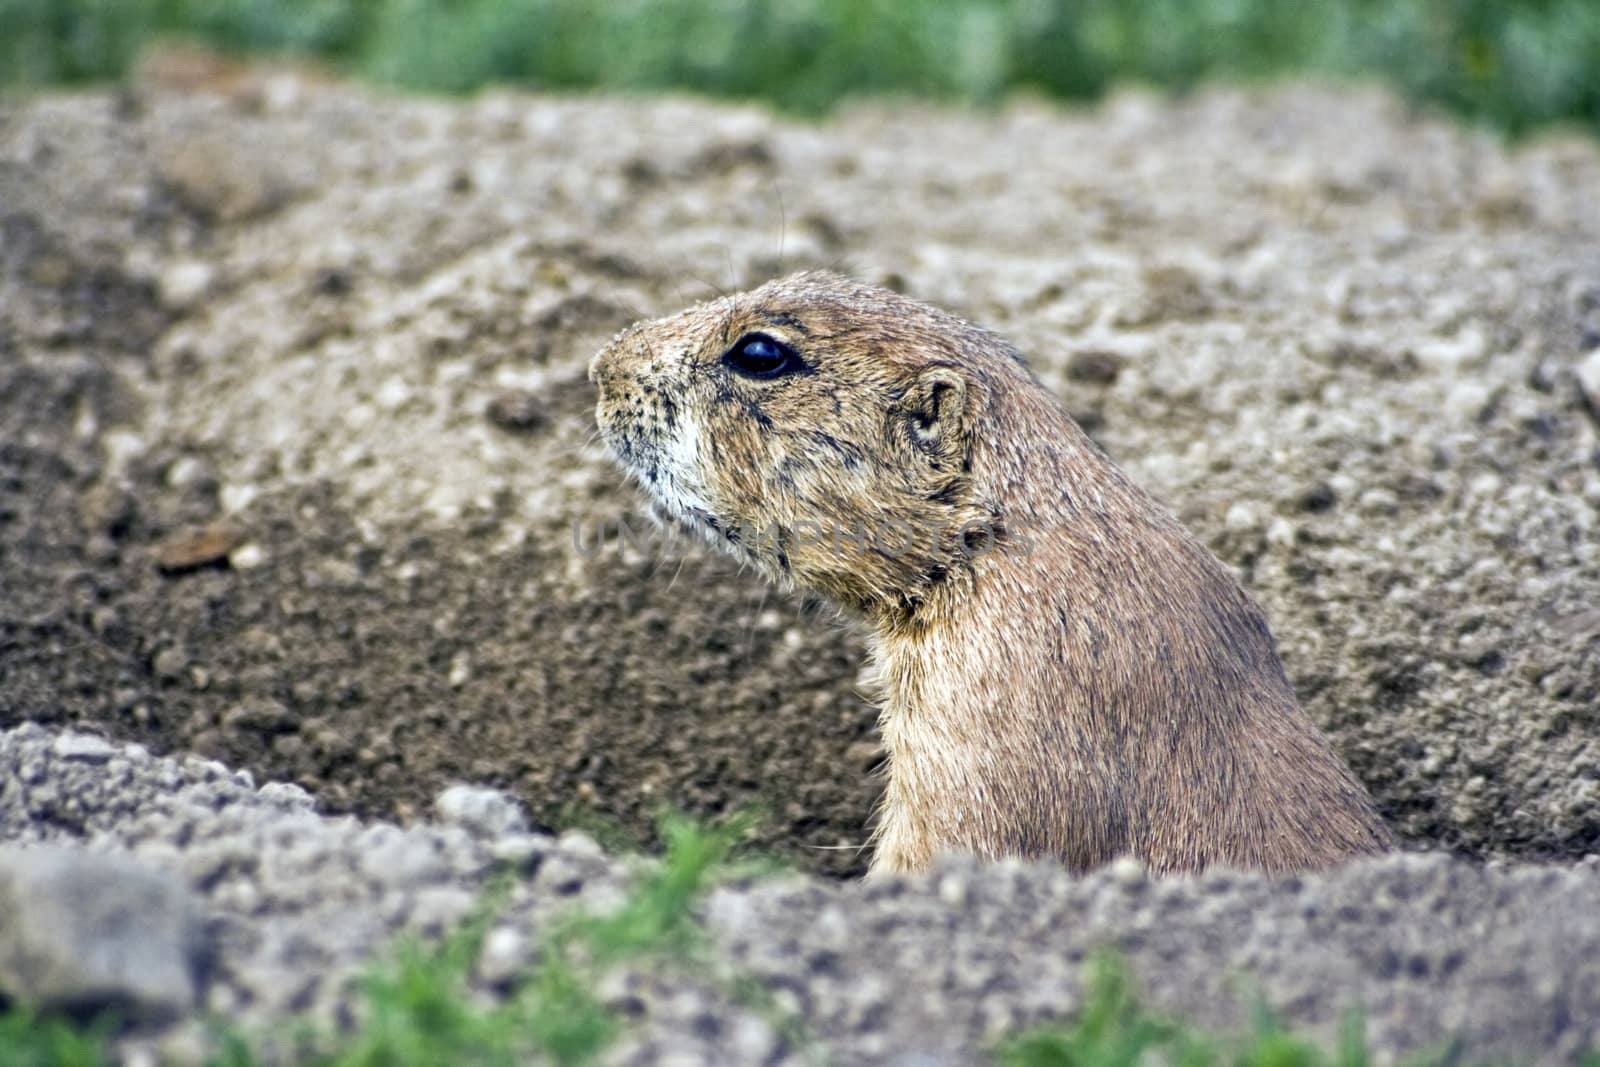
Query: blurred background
{"type": "Point", "coordinates": [1515, 65]}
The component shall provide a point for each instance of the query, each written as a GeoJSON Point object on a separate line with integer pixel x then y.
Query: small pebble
{"type": "Point", "coordinates": [84, 748]}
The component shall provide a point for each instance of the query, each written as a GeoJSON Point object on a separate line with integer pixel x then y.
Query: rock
{"type": "Point", "coordinates": [518, 850]}
{"type": "Point", "coordinates": [1588, 372]}
{"type": "Point", "coordinates": [1241, 516]}
{"type": "Point", "coordinates": [247, 557]}
{"type": "Point", "coordinates": [85, 748]}
{"type": "Point", "coordinates": [485, 812]}
{"type": "Point", "coordinates": [439, 909]}
{"type": "Point", "coordinates": [517, 410]}
{"type": "Point", "coordinates": [87, 932]}
{"type": "Point", "coordinates": [506, 956]}
{"type": "Point", "coordinates": [1127, 870]}
{"type": "Point", "coordinates": [108, 509]}
{"type": "Point", "coordinates": [213, 178]}
{"type": "Point", "coordinates": [287, 796]}
{"type": "Point", "coordinates": [191, 549]}
{"type": "Point", "coordinates": [865, 754]}
{"type": "Point", "coordinates": [1095, 366]}
{"type": "Point", "coordinates": [169, 664]}
{"type": "Point", "coordinates": [258, 714]}
{"type": "Point", "coordinates": [184, 283]}
{"type": "Point", "coordinates": [388, 855]}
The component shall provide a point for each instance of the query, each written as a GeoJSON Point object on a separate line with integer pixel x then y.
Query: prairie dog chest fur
{"type": "Point", "coordinates": [1066, 671]}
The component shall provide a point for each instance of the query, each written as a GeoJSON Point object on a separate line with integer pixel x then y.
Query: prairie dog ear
{"type": "Point", "coordinates": [939, 409]}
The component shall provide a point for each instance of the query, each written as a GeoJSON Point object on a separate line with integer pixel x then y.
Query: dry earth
{"type": "Point", "coordinates": [1347, 343]}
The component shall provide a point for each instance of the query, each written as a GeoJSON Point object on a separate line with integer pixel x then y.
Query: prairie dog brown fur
{"type": "Point", "coordinates": [1066, 671]}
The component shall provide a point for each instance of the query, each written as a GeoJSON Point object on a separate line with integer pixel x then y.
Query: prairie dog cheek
{"type": "Point", "coordinates": [683, 483]}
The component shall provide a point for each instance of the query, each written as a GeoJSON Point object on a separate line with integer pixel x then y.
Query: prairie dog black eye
{"type": "Point", "coordinates": [755, 355]}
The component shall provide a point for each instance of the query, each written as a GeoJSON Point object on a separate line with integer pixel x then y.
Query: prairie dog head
{"type": "Point", "coordinates": [829, 432]}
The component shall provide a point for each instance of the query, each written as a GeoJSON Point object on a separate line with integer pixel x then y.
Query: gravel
{"type": "Point", "coordinates": [1505, 959]}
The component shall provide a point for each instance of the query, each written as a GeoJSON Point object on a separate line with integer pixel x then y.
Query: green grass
{"type": "Point", "coordinates": [1517, 65]}
{"type": "Point", "coordinates": [29, 1040]}
{"type": "Point", "coordinates": [1115, 1030]}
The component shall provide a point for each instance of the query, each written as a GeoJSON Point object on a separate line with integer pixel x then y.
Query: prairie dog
{"type": "Point", "coordinates": [1067, 672]}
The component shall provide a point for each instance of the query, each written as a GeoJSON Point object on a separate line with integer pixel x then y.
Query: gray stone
{"type": "Point", "coordinates": [485, 812]}
{"type": "Point", "coordinates": [390, 855]}
{"type": "Point", "coordinates": [84, 747]}
{"type": "Point", "coordinates": [519, 850]}
{"type": "Point", "coordinates": [287, 796]}
{"type": "Point", "coordinates": [1588, 374]}
{"type": "Point", "coordinates": [506, 956]}
{"type": "Point", "coordinates": [85, 931]}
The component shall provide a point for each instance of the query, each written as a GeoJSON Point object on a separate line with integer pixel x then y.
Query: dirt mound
{"type": "Point", "coordinates": [1494, 962]}
{"type": "Point", "coordinates": [1337, 338]}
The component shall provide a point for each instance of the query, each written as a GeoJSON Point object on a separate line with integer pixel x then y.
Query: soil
{"type": "Point", "coordinates": [297, 467]}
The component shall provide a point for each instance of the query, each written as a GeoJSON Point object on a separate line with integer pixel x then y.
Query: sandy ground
{"type": "Point", "coordinates": [1342, 341]}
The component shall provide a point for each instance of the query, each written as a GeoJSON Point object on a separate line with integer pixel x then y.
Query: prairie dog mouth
{"type": "Point", "coordinates": [668, 471]}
